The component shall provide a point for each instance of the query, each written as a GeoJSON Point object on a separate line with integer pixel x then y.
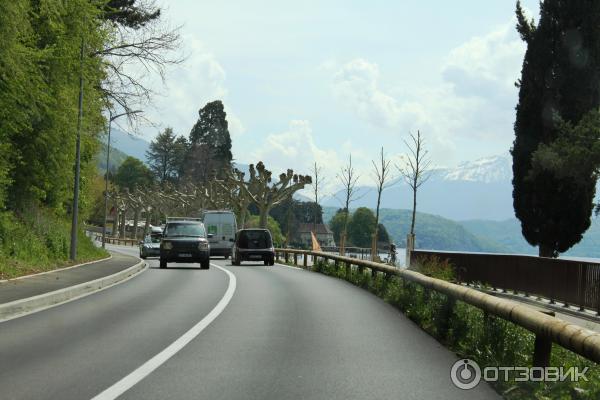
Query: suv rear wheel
{"type": "Point", "coordinates": [163, 263]}
{"type": "Point", "coordinates": [205, 264]}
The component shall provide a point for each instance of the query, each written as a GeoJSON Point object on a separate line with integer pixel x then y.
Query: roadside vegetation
{"type": "Point", "coordinates": [52, 54]}
{"type": "Point", "coordinates": [39, 241]}
{"type": "Point", "coordinates": [470, 333]}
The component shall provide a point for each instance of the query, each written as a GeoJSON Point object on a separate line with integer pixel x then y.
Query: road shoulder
{"type": "Point", "coordinates": [29, 294]}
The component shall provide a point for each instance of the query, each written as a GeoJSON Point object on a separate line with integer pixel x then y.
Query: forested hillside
{"type": "Point", "coordinates": [61, 69]}
{"type": "Point", "coordinates": [432, 231]}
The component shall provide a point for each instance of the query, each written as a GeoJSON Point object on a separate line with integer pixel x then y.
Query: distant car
{"type": "Point", "coordinates": [150, 246]}
{"type": "Point", "coordinates": [253, 245]}
{"type": "Point", "coordinates": [221, 224]}
{"type": "Point", "coordinates": [185, 240]}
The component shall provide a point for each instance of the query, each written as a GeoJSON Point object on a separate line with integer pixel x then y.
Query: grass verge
{"type": "Point", "coordinates": [39, 241]}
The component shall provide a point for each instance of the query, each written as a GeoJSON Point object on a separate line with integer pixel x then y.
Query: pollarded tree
{"type": "Point", "coordinates": [560, 84]}
{"type": "Point", "coordinates": [237, 198]}
{"type": "Point", "coordinates": [266, 194]}
{"type": "Point", "coordinates": [211, 131]}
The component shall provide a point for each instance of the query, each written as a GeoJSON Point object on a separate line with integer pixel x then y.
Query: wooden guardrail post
{"type": "Point", "coordinates": [348, 269]}
{"type": "Point", "coordinates": [295, 258]}
{"type": "Point", "coordinates": [286, 256]}
{"type": "Point", "coordinates": [542, 349]}
{"type": "Point", "coordinates": [305, 260]}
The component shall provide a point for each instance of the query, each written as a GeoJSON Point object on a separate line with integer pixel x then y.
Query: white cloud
{"type": "Point", "coordinates": [473, 104]}
{"type": "Point", "coordinates": [356, 85]}
{"type": "Point", "coordinates": [486, 66]}
{"type": "Point", "coordinates": [295, 148]}
{"type": "Point", "coordinates": [190, 85]}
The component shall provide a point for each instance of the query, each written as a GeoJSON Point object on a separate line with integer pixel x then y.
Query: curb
{"type": "Point", "coordinates": [19, 308]}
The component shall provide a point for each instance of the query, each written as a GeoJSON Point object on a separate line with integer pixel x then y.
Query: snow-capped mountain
{"type": "Point", "coordinates": [479, 189]}
{"type": "Point", "coordinates": [486, 170]}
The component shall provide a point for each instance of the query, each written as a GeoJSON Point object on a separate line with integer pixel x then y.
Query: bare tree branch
{"type": "Point", "coordinates": [416, 170]}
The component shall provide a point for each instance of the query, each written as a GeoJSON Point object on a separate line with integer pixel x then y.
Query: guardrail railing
{"type": "Point", "coordinates": [547, 329]}
{"type": "Point", "coordinates": [567, 281]}
{"type": "Point", "coordinates": [120, 241]}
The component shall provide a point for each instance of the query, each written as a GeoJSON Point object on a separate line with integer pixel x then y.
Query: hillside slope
{"type": "Point", "coordinates": [432, 231]}
{"type": "Point", "coordinates": [508, 235]}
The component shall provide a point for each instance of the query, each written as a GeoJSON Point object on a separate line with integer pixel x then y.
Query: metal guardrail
{"type": "Point", "coordinates": [547, 329]}
{"type": "Point", "coordinates": [567, 281]}
{"type": "Point", "coordinates": [124, 242]}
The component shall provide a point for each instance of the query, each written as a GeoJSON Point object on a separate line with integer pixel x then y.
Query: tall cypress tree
{"type": "Point", "coordinates": [211, 133]}
{"type": "Point", "coordinates": [560, 85]}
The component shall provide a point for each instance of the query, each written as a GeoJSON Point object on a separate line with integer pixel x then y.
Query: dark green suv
{"type": "Point", "coordinates": [184, 241]}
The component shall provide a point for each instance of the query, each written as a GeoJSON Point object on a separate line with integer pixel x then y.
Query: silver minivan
{"type": "Point", "coordinates": [223, 226]}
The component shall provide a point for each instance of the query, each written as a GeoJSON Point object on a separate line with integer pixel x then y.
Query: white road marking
{"type": "Point", "coordinates": [289, 266]}
{"type": "Point", "coordinates": [149, 366]}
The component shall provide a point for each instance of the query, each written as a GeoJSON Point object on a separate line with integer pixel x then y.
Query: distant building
{"type": "Point", "coordinates": [322, 232]}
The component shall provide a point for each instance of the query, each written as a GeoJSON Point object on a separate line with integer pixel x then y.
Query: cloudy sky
{"type": "Point", "coordinates": [320, 79]}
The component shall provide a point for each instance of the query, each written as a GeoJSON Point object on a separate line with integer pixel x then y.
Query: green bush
{"type": "Point", "coordinates": [470, 333]}
{"type": "Point", "coordinates": [39, 241]}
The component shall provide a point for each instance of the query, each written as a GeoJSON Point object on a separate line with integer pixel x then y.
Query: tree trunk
{"type": "Point", "coordinates": [374, 252]}
{"type": "Point", "coordinates": [243, 218]}
{"type": "Point", "coordinates": [136, 217]}
{"type": "Point", "coordinates": [414, 211]}
{"type": "Point", "coordinates": [147, 223]}
{"type": "Point", "coordinates": [116, 224]}
{"type": "Point", "coordinates": [122, 222]}
{"type": "Point", "coordinates": [546, 251]}
{"type": "Point", "coordinates": [264, 214]}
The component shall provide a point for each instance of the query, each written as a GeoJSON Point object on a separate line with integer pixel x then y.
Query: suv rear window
{"type": "Point", "coordinates": [183, 229]}
{"type": "Point", "coordinates": [254, 240]}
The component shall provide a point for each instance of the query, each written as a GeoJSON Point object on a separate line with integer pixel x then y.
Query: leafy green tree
{"type": "Point", "coordinates": [337, 223]}
{"type": "Point", "coordinates": [272, 226]}
{"type": "Point", "coordinates": [293, 212]}
{"type": "Point", "coordinates": [129, 14]}
{"type": "Point", "coordinates": [362, 227]}
{"type": "Point", "coordinates": [41, 123]}
{"type": "Point", "coordinates": [382, 234]}
{"type": "Point", "coordinates": [133, 173]}
{"type": "Point", "coordinates": [165, 154]}
{"type": "Point", "coordinates": [210, 138]}
{"type": "Point", "coordinates": [560, 84]}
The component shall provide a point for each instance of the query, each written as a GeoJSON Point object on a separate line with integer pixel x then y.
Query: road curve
{"type": "Point", "coordinates": [285, 334]}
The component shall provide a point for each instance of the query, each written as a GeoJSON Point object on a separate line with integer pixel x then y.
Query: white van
{"type": "Point", "coordinates": [223, 226]}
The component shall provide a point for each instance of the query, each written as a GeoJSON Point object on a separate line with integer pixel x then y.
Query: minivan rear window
{"type": "Point", "coordinates": [254, 240]}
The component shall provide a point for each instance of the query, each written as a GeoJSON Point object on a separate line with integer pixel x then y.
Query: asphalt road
{"type": "Point", "coordinates": [263, 333]}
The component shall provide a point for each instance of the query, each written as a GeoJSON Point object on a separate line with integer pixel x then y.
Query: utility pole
{"type": "Point", "coordinates": [106, 181]}
{"type": "Point", "coordinates": [73, 252]}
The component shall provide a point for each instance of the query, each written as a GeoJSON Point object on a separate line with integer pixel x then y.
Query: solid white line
{"type": "Point", "coordinates": [289, 266]}
{"type": "Point", "coordinates": [146, 369]}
